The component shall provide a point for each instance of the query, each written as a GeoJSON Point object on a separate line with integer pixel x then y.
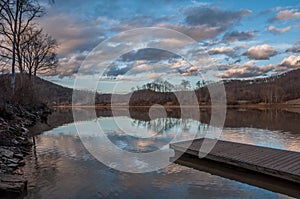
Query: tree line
{"type": "Point", "coordinates": [160, 85]}
{"type": "Point", "coordinates": [24, 47]}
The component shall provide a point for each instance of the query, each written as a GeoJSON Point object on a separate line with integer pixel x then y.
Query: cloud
{"type": "Point", "coordinates": [275, 30]}
{"type": "Point", "coordinates": [190, 71]}
{"type": "Point", "coordinates": [290, 62]}
{"type": "Point", "coordinates": [79, 26]}
{"type": "Point", "coordinates": [81, 33]}
{"type": "Point", "coordinates": [68, 65]}
{"type": "Point", "coordinates": [246, 70]}
{"type": "Point", "coordinates": [243, 45]}
{"type": "Point", "coordinates": [261, 52]}
{"type": "Point", "coordinates": [207, 22]}
{"type": "Point", "coordinates": [73, 35]}
{"type": "Point", "coordinates": [149, 54]}
{"type": "Point", "coordinates": [238, 36]}
{"type": "Point", "coordinates": [212, 16]}
{"type": "Point", "coordinates": [137, 22]}
{"type": "Point", "coordinates": [117, 70]}
{"type": "Point", "coordinates": [287, 15]}
{"type": "Point", "coordinates": [196, 32]}
{"type": "Point", "coordinates": [295, 48]}
{"type": "Point", "coordinates": [229, 51]}
{"type": "Point", "coordinates": [144, 67]}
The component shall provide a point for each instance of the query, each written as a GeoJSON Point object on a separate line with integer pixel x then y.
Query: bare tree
{"type": "Point", "coordinates": [3, 4]}
{"type": "Point", "coordinates": [16, 16]}
{"type": "Point", "coordinates": [185, 84]}
{"type": "Point", "coordinates": [168, 87]}
{"type": "Point", "coordinates": [38, 52]}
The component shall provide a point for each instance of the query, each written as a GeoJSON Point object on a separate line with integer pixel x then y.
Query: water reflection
{"type": "Point", "coordinates": [271, 119]}
{"type": "Point", "coordinates": [62, 168]}
{"type": "Point", "coordinates": [131, 134]}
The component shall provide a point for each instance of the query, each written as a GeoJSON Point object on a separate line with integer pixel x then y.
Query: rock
{"type": "Point", "coordinates": [12, 165]}
{"type": "Point", "coordinates": [19, 172]}
{"type": "Point", "coordinates": [12, 129]}
{"type": "Point", "coordinates": [25, 152]}
{"type": "Point", "coordinates": [24, 133]}
{"type": "Point", "coordinates": [19, 156]}
{"type": "Point", "coordinates": [14, 161]}
{"type": "Point", "coordinates": [24, 130]}
{"type": "Point", "coordinates": [7, 153]}
{"type": "Point", "coordinates": [22, 138]}
{"type": "Point", "coordinates": [4, 123]}
{"type": "Point", "coordinates": [22, 163]}
{"type": "Point", "coordinates": [3, 159]}
{"type": "Point", "coordinates": [12, 186]}
{"type": "Point", "coordinates": [15, 142]}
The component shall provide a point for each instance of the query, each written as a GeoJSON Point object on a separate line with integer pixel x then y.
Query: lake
{"type": "Point", "coordinates": [60, 166]}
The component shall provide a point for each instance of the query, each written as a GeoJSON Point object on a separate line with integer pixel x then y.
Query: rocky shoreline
{"type": "Point", "coordinates": [15, 144]}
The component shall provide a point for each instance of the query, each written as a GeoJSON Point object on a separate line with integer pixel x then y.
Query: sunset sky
{"type": "Point", "coordinates": [243, 39]}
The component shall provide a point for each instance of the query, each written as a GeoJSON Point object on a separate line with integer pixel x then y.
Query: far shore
{"type": "Point", "coordinates": [265, 106]}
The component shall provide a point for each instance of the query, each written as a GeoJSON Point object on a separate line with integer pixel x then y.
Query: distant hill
{"type": "Point", "coordinates": [34, 90]}
{"type": "Point", "coordinates": [37, 89]}
{"type": "Point", "coordinates": [276, 89]}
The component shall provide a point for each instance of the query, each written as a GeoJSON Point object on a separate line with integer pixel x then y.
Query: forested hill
{"type": "Point", "coordinates": [34, 89]}
{"type": "Point", "coordinates": [276, 89]}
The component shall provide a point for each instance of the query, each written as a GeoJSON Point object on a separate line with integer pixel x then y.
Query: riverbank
{"type": "Point", "coordinates": [15, 144]}
{"type": "Point", "coordinates": [121, 106]}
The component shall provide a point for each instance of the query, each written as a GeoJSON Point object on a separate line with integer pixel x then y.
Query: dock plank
{"type": "Point", "coordinates": [274, 162]}
{"type": "Point", "coordinates": [285, 162]}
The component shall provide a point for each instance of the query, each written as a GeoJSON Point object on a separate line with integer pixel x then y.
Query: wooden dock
{"type": "Point", "coordinates": [277, 163]}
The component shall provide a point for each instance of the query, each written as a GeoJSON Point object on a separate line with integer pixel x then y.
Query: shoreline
{"type": "Point", "coordinates": [294, 108]}
{"type": "Point", "coordinates": [15, 145]}
{"type": "Point", "coordinates": [184, 106]}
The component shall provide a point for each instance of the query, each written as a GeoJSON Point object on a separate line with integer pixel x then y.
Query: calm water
{"type": "Point", "coordinates": [61, 167]}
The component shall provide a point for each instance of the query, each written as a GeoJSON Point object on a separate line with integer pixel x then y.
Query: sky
{"type": "Point", "coordinates": [232, 39]}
